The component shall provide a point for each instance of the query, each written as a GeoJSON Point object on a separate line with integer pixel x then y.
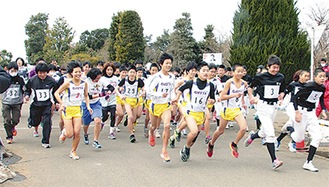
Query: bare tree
{"type": "Point", "coordinates": [224, 46]}
{"type": "Point", "coordinates": [319, 14]}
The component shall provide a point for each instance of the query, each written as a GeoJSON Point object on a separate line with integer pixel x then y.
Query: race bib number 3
{"type": "Point", "coordinates": [42, 94]}
{"type": "Point", "coordinates": [314, 97]}
{"type": "Point", "coordinates": [75, 96]}
{"type": "Point", "coordinates": [271, 91]}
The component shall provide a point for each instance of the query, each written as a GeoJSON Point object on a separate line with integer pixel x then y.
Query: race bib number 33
{"type": "Point", "coordinates": [42, 94]}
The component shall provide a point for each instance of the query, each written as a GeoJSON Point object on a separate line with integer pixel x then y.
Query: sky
{"type": "Point", "coordinates": [156, 16]}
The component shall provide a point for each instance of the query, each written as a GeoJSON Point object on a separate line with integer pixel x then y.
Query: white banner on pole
{"type": "Point", "coordinates": [215, 58]}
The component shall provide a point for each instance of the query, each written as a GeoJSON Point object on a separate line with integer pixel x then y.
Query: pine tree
{"type": "Point", "coordinates": [130, 44]}
{"type": "Point", "coordinates": [182, 44]}
{"type": "Point", "coordinates": [112, 35]}
{"type": "Point", "coordinates": [262, 28]}
{"type": "Point", "coordinates": [209, 44]}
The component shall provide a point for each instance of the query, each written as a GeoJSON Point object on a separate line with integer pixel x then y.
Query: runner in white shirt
{"type": "Point", "coordinates": [153, 70]}
{"type": "Point", "coordinates": [109, 101]}
{"type": "Point", "coordinates": [160, 89]}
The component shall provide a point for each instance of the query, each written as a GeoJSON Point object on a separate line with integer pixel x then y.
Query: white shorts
{"type": "Point", "coordinates": [266, 114]}
{"type": "Point", "coordinates": [309, 121]}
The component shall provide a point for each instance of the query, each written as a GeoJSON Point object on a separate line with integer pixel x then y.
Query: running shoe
{"type": "Point", "coordinates": [208, 138]}
{"type": "Point", "coordinates": [144, 112]}
{"type": "Point", "coordinates": [146, 132]}
{"type": "Point", "coordinates": [35, 134]}
{"type": "Point", "coordinates": [125, 122]}
{"type": "Point", "coordinates": [248, 141]}
{"type": "Point", "coordinates": [174, 123]}
{"type": "Point", "coordinates": [171, 142]}
{"type": "Point", "coordinates": [151, 139]}
{"type": "Point", "coordinates": [86, 139]}
{"type": "Point", "coordinates": [14, 131]}
{"type": "Point", "coordinates": [263, 141]}
{"type": "Point", "coordinates": [132, 138]}
{"type": "Point", "coordinates": [62, 138]}
{"type": "Point", "coordinates": [184, 132]}
{"type": "Point", "coordinates": [277, 163]}
{"type": "Point", "coordinates": [227, 126]}
{"type": "Point", "coordinates": [46, 145]}
{"type": "Point", "coordinates": [309, 166]}
{"type": "Point", "coordinates": [29, 123]}
{"type": "Point", "coordinates": [231, 124]}
{"type": "Point", "coordinates": [117, 129]}
{"type": "Point", "coordinates": [96, 144]}
{"type": "Point", "coordinates": [277, 145]}
{"type": "Point", "coordinates": [157, 133]}
{"type": "Point", "coordinates": [164, 155]}
{"type": "Point", "coordinates": [185, 153]}
{"type": "Point", "coordinates": [74, 155]}
{"type": "Point", "coordinates": [9, 141]}
{"type": "Point", "coordinates": [111, 136]}
{"type": "Point", "coordinates": [177, 135]}
{"type": "Point", "coordinates": [214, 117]}
{"type": "Point", "coordinates": [292, 147]}
{"type": "Point", "coordinates": [210, 149]}
{"type": "Point", "coordinates": [202, 128]}
{"type": "Point", "coordinates": [135, 123]}
{"type": "Point", "coordinates": [234, 149]}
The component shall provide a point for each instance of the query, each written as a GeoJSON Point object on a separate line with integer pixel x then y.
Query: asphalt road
{"type": "Point", "coordinates": [121, 163]}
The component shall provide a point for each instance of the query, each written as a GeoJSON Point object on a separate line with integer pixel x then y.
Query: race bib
{"type": "Point", "coordinates": [13, 93]}
{"type": "Point", "coordinates": [42, 94]}
{"type": "Point", "coordinates": [75, 95]}
{"type": "Point", "coordinates": [314, 97]}
{"type": "Point", "coordinates": [296, 89]}
{"type": "Point", "coordinates": [271, 91]}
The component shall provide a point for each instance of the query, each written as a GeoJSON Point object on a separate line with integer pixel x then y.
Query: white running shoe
{"type": "Point", "coordinates": [309, 166]}
{"type": "Point", "coordinates": [292, 147]}
{"type": "Point", "coordinates": [117, 129]}
{"type": "Point", "coordinates": [46, 145]}
{"type": "Point", "coordinates": [74, 155]}
{"type": "Point", "coordinates": [277, 163]}
{"type": "Point", "coordinates": [184, 132]}
{"type": "Point", "coordinates": [62, 136]}
{"type": "Point", "coordinates": [157, 133]}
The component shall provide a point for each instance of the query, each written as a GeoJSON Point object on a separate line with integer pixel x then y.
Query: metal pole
{"type": "Point", "coordinates": [312, 51]}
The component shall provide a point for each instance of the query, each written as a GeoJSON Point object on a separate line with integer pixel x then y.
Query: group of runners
{"type": "Point", "coordinates": [190, 98]}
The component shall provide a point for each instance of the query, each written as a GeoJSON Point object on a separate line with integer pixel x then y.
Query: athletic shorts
{"type": "Point", "coordinates": [209, 106]}
{"type": "Point", "coordinates": [119, 101]}
{"type": "Point", "coordinates": [181, 103]}
{"type": "Point", "coordinates": [158, 109]}
{"type": "Point", "coordinates": [133, 102]}
{"type": "Point", "coordinates": [198, 116]}
{"type": "Point", "coordinates": [229, 114]}
{"type": "Point", "coordinates": [147, 103]}
{"type": "Point", "coordinates": [97, 112]}
{"type": "Point", "coordinates": [72, 112]}
{"type": "Point", "coordinates": [140, 101]}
